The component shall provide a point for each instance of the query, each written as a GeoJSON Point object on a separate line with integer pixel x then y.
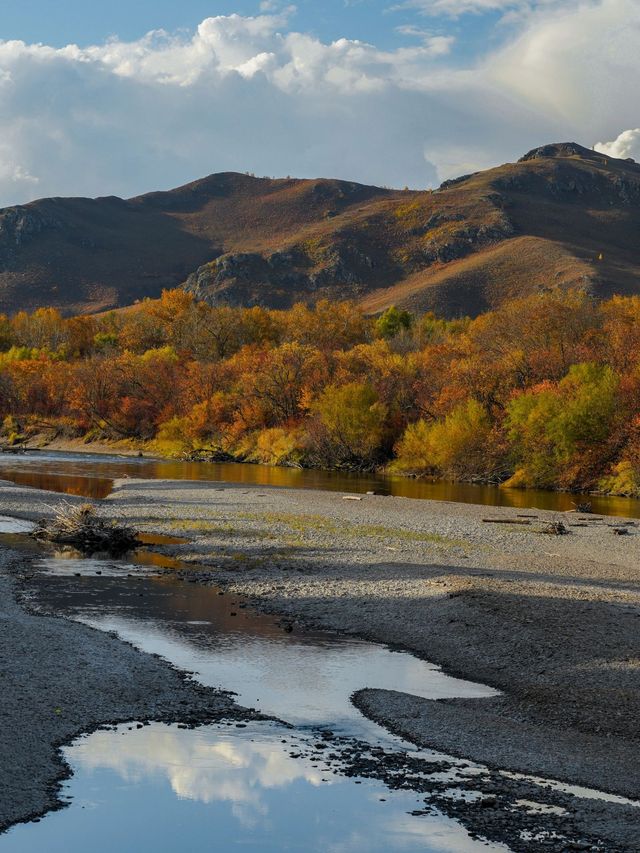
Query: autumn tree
{"type": "Point", "coordinates": [462, 446]}
{"type": "Point", "coordinates": [392, 322]}
{"type": "Point", "coordinates": [349, 426]}
{"type": "Point", "coordinates": [560, 432]}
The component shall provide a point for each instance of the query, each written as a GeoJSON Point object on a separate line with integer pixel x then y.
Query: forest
{"type": "Point", "coordinates": [542, 392]}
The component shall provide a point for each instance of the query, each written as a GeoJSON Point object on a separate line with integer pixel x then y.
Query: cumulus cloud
{"type": "Point", "coordinates": [626, 144]}
{"type": "Point", "coordinates": [439, 45]}
{"type": "Point", "coordinates": [253, 94]}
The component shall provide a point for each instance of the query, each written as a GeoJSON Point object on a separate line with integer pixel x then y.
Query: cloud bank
{"type": "Point", "coordinates": [253, 94]}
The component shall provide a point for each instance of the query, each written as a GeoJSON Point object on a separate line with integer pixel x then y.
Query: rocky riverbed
{"type": "Point", "coordinates": [550, 621]}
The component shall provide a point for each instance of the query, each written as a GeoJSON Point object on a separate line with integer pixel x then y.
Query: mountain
{"type": "Point", "coordinates": [562, 215]}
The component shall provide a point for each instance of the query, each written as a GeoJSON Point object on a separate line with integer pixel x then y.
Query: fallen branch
{"type": "Point", "coordinates": [506, 521]}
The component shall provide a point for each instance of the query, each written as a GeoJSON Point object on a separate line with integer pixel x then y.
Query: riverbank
{"type": "Point", "coordinates": [126, 447]}
{"type": "Point", "coordinates": [61, 679]}
{"type": "Point", "coordinates": [610, 503]}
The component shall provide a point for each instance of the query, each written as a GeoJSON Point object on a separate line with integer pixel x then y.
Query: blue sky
{"type": "Point", "coordinates": [388, 92]}
{"type": "Point", "coordinates": [375, 21]}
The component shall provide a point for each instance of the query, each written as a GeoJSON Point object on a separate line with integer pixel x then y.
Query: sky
{"type": "Point", "coordinates": [121, 98]}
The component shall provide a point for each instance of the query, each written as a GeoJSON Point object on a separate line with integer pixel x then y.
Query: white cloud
{"type": "Point", "coordinates": [252, 94]}
{"type": "Point", "coordinates": [438, 45]}
{"type": "Point", "coordinates": [15, 173]}
{"type": "Point", "coordinates": [626, 144]}
{"type": "Point", "coordinates": [577, 60]}
{"type": "Point", "coordinates": [198, 765]}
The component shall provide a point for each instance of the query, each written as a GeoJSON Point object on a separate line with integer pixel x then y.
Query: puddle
{"type": "Point", "coordinates": [258, 788]}
{"type": "Point", "coordinates": [164, 789]}
{"type": "Point", "coordinates": [15, 525]}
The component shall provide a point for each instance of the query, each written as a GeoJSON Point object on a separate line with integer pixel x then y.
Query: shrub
{"type": "Point", "coordinates": [623, 480]}
{"type": "Point", "coordinates": [277, 446]}
{"type": "Point", "coordinates": [172, 437]}
{"type": "Point", "coordinates": [462, 445]}
{"type": "Point", "coordinates": [555, 429]}
{"type": "Point", "coordinates": [349, 425]}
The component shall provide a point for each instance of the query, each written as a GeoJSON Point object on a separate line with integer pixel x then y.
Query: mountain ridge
{"type": "Point", "coordinates": [562, 215]}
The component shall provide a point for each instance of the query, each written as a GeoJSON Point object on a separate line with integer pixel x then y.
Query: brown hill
{"type": "Point", "coordinates": [563, 215]}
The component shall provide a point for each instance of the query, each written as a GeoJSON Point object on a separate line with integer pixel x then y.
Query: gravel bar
{"type": "Point", "coordinates": [550, 621]}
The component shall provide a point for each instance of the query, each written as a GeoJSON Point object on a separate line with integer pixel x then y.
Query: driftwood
{"type": "Point", "coordinates": [81, 528]}
{"type": "Point", "coordinates": [506, 521]}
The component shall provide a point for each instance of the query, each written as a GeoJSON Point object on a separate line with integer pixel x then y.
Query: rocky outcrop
{"type": "Point", "coordinates": [454, 182]}
{"type": "Point", "coordinates": [253, 278]}
{"type": "Point", "coordinates": [468, 239]}
{"type": "Point", "coordinates": [561, 149]}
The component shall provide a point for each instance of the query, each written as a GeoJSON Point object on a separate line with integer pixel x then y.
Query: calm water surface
{"type": "Point", "coordinates": [166, 790]}
{"type": "Point", "coordinates": [92, 475]}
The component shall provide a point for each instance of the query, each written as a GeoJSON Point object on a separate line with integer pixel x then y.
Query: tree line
{"type": "Point", "coordinates": [544, 391]}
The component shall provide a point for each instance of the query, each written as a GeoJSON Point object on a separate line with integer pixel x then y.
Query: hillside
{"type": "Point", "coordinates": [562, 215]}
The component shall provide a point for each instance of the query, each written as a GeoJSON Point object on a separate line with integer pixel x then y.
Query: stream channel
{"type": "Point", "coordinates": [263, 786]}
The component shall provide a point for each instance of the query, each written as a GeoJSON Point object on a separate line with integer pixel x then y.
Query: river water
{"type": "Point", "coordinates": [92, 475]}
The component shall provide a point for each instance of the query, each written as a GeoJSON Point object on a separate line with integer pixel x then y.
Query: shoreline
{"type": "Point", "coordinates": [100, 448]}
{"type": "Point", "coordinates": [124, 450]}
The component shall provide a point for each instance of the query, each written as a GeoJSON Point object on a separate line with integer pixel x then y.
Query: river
{"type": "Point", "coordinates": [92, 475]}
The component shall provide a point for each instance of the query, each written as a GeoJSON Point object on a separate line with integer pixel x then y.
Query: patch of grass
{"type": "Point", "coordinates": [379, 531]}
{"type": "Point", "coordinates": [202, 525]}
{"type": "Point", "coordinates": [248, 560]}
{"type": "Point", "coordinates": [305, 523]}
{"type": "Point", "coordinates": [301, 523]}
{"type": "Point", "coordinates": [209, 527]}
